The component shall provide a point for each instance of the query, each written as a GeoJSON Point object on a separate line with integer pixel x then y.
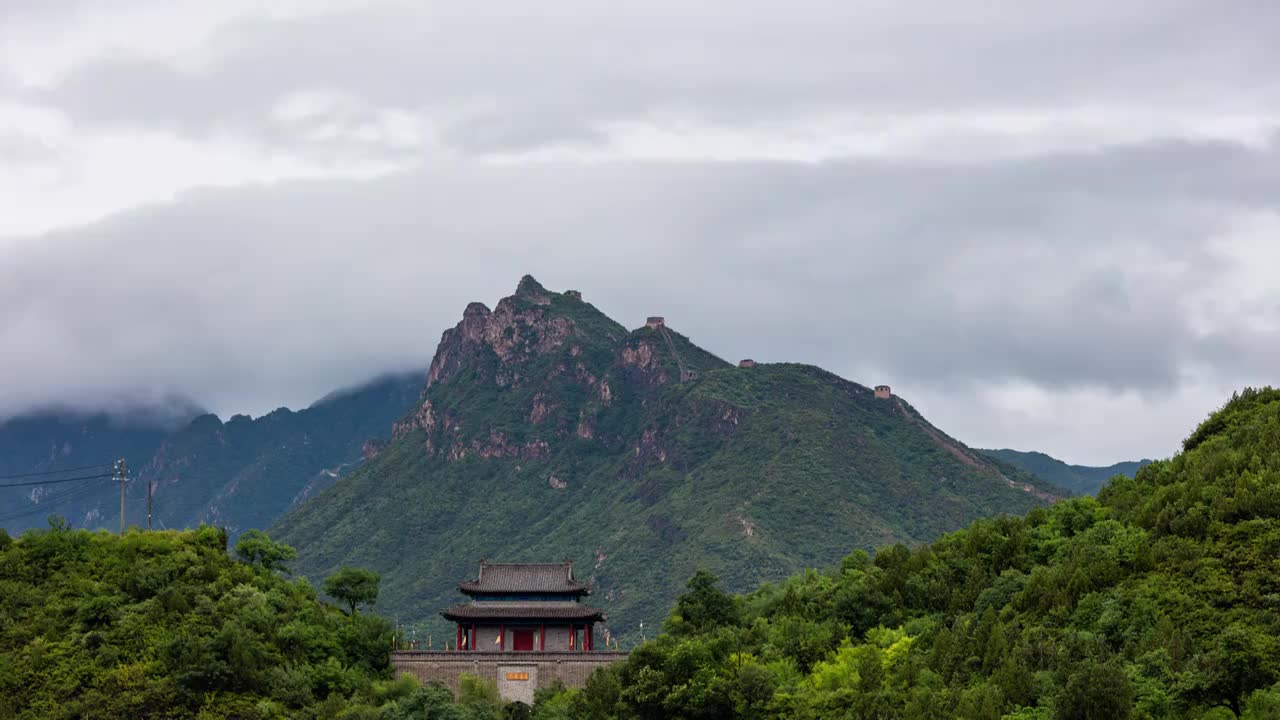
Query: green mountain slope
{"type": "Point", "coordinates": [241, 474]}
{"type": "Point", "coordinates": [1079, 479]}
{"type": "Point", "coordinates": [1158, 599]}
{"type": "Point", "coordinates": [246, 472]}
{"type": "Point", "coordinates": [548, 431]}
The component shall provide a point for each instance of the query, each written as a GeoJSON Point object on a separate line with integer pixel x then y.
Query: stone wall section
{"type": "Point", "coordinates": [542, 668]}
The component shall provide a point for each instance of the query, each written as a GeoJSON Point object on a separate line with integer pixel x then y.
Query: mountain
{"type": "Point", "coordinates": [1156, 599]}
{"type": "Point", "coordinates": [241, 474]}
{"type": "Point", "coordinates": [68, 444]}
{"type": "Point", "coordinates": [245, 472]}
{"type": "Point", "coordinates": [548, 431]}
{"type": "Point", "coordinates": [1079, 479]}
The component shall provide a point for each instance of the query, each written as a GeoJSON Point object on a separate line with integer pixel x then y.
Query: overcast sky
{"type": "Point", "coordinates": [1049, 225]}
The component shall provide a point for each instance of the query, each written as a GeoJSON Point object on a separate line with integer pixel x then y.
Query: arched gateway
{"type": "Point", "coordinates": [524, 626]}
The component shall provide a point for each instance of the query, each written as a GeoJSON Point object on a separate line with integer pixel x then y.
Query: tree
{"type": "Point", "coordinates": [1096, 692]}
{"type": "Point", "coordinates": [354, 586]}
{"type": "Point", "coordinates": [704, 605]}
{"type": "Point", "coordinates": [1244, 658]}
{"type": "Point", "coordinates": [255, 548]}
{"type": "Point", "coordinates": [479, 697]}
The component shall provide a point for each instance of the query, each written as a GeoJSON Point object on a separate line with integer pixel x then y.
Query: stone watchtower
{"type": "Point", "coordinates": [655, 322]}
{"type": "Point", "coordinates": [523, 626]}
{"type": "Point", "coordinates": [746, 363]}
{"type": "Point", "coordinates": [883, 392]}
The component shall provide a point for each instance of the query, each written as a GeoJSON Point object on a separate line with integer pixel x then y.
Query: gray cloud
{"type": "Point", "coordinates": [935, 276]}
{"type": "Point", "coordinates": [1026, 221]}
{"type": "Point", "coordinates": [531, 77]}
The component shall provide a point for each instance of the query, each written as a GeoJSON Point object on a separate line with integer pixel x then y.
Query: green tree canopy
{"type": "Point", "coordinates": [354, 586]}
{"type": "Point", "coordinates": [255, 548]}
{"type": "Point", "coordinates": [703, 605]}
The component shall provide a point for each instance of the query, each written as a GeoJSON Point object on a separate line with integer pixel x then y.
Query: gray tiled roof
{"type": "Point", "coordinates": [532, 610]}
{"type": "Point", "coordinates": [524, 578]}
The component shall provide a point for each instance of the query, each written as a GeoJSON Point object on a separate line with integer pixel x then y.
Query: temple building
{"type": "Point", "coordinates": [524, 607]}
{"type": "Point", "coordinates": [523, 626]}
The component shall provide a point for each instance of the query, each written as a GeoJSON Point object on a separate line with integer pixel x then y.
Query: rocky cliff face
{"type": "Point", "coordinates": [554, 358]}
{"type": "Point", "coordinates": [547, 430]}
{"type": "Point", "coordinates": [519, 328]}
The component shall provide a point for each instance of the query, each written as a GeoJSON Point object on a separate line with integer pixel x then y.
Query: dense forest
{"type": "Point", "coordinates": [168, 624]}
{"type": "Point", "coordinates": [1160, 598]}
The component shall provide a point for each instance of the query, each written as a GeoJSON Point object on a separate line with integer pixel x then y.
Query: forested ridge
{"type": "Point", "coordinates": [1158, 599]}
{"type": "Point", "coordinates": [1079, 479]}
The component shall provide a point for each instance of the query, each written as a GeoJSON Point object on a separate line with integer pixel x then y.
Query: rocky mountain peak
{"type": "Point", "coordinates": [551, 355]}
{"type": "Point", "coordinates": [530, 326]}
{"type": "Point", "coordinates": [531, 289]}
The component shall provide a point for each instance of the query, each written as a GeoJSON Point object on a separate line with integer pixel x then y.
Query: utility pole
{"type": "Point", "coordinates": [148, 504]}
{"type": "Point", "coordinates": [121, 470]}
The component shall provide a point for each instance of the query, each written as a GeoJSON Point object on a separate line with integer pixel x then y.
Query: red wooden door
{"type": "Point", "coordinates": [522, 640]}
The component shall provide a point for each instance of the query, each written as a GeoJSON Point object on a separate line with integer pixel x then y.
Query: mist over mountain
{"type": "Point", "coordinates": [241, 473]}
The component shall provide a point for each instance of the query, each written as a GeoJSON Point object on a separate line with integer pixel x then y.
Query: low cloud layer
{"type": "Point", "coordinates": [1049, 230]}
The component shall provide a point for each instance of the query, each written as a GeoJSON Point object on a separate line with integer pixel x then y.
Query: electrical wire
{"type": "Point", "coordinates": [55, 472]}
{"type": "Point", "coordinates": [55, 482]}
{"type": "Point", "coordinates": [52, 501]}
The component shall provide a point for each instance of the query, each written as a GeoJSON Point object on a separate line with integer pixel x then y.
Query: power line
{"type": "Point", "coordinates": [54, 472]}
{"type": "Point", "coordinates": [122, 472]}
{"type": "Point", "coordinates": [50, 502]}
{"type": "Point", "coordinates": [55, 482]}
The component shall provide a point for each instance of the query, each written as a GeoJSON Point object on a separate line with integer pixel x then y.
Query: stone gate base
{"type": "Point", "coordinates": [517, 674]}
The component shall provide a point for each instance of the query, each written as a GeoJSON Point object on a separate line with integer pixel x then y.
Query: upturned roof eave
{"type": "Point", "coordinates": [549, 620]}
{"type": "Point", "coordinates": [472, 613]}
{"type": "Point", "coordinates": [472, 587]}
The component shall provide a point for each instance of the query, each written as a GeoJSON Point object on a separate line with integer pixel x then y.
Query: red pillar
{"type": "Point", "coordinates": [588, 641]}
{"type": "Point", "coordinates": [471, 642]}
{"type": "Point", "coordinates": [502, 637]}
{"type": "Point", "coordinates": [458, 645]}
{"type": "Point", "coordinates": [542, 637]}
